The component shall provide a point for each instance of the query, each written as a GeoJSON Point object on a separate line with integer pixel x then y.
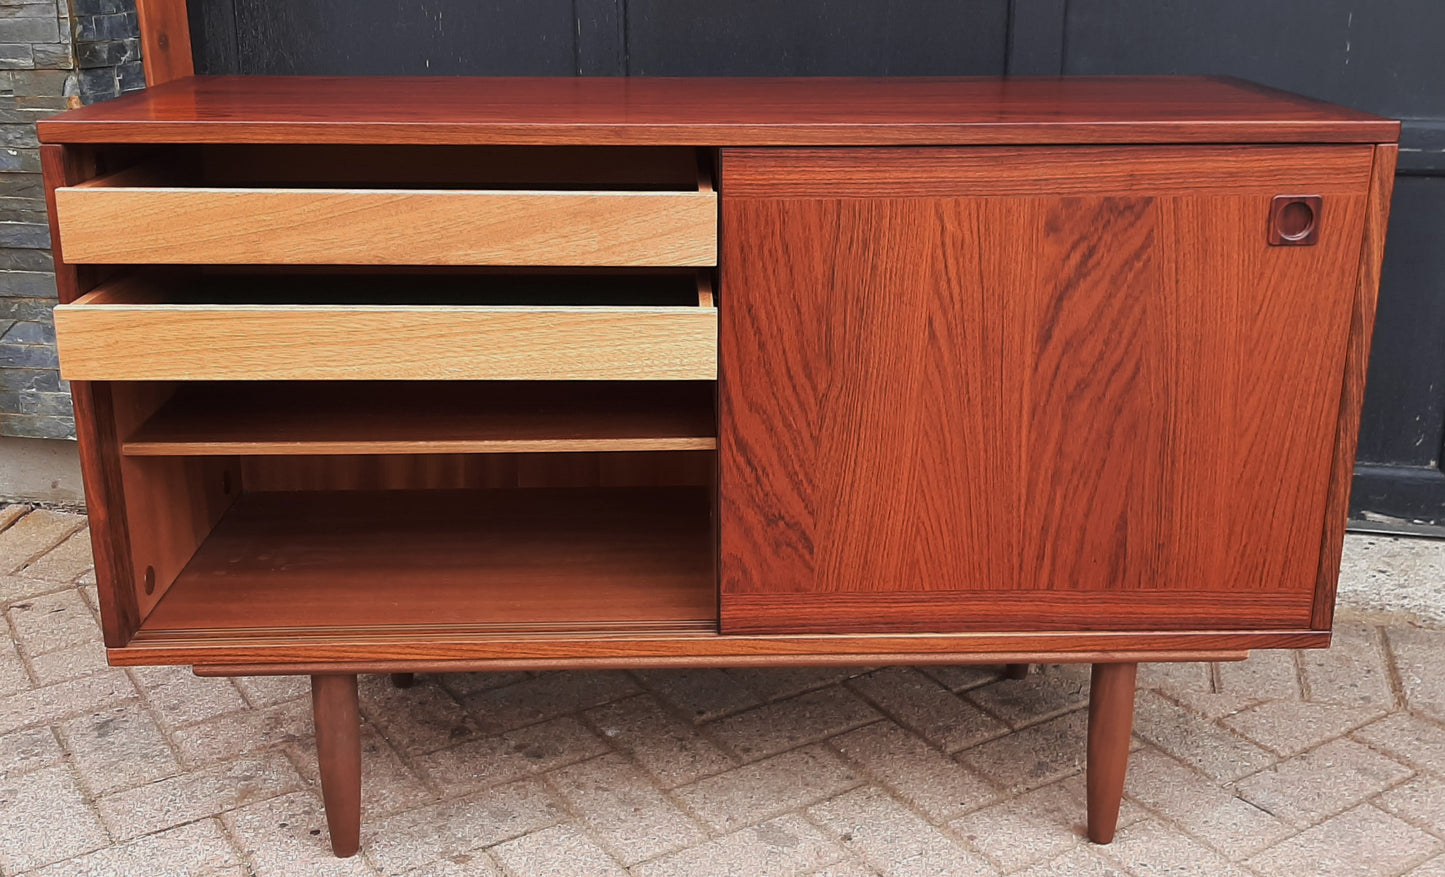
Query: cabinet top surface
{"type": "Point", "coordinates": [713, 112]}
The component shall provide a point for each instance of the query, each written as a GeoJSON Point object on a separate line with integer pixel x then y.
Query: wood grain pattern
{"type": "Point", "coordinates": [590, 561]}
{"type": "Point", "coordinates": [427, 649]}
{"type": "Point", "coordinates": [478, 471]}
{"type": "Point", "coordinates": [165, 33]}
{"type": "Point", "coordinates": [337, 716]}
{"type": "Point", "coordinates": [1128, 395]}
{"type": "Point", "coordinates": [829, 111]}
{"type": "Point", "coordinates": [299, 226]}
{"type": "Point", "coordinates": [100, 472]}
{"type": "Point", "coordinates": [1015, 171]}
{"type": "Point", "coordinates": [128, 332]}
{"type": "Point", "coordinates": [179, 499]}
{"type": "Point", "coordinates": [1111, 722]}
{"type": "Point", "coordinates": [504, 665]}
{"type": "Point", "coordinates": [174, 502]}
{"type": "Point", "coordinates": [428, 418]}
{"type": "Point", "coordinates": [99, 443]}
{"type": "Point", "coordinates": [1352, 397]}
{"type": "Point", "coordinates": [62, 167]}
{"type": "Point", "coordinates": [983, 608]}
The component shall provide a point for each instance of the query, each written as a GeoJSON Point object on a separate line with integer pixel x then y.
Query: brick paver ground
{"type": "Point", "coordinates": [1328, 763]}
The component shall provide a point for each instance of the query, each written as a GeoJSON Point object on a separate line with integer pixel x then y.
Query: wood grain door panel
{"type": "Point", "coordinates": [934, 402]}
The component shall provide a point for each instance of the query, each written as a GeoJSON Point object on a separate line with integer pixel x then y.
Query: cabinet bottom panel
{"type": "Point", "coordinates": [335, 565]}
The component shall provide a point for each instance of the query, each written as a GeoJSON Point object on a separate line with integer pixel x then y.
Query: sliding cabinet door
{"type": "Point", "coordinates": [1031, 388]}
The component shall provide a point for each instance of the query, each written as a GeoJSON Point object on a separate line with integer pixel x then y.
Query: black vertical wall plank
{"type": "Point", "coordinates": [1382, 57]}
{"type": "Point", "coordinates": [603, 37]}
{"type": "Point", "coordinates": [213, 35]}
{"type": "Point", "coordinates": [1404, 417]}
{"type": "Point", "coordinates": [1422, 146]}
{"type": "Point", "coordinates": [601, 50]}
{"type": "Point", "coordinates": [1399, 480]}
{"type": "Point", "coordinates": [816, 38]}
{"type": "Point", "coordinates": [405, 37]}
{"type": "Point", "coordinates": [1036, 37]}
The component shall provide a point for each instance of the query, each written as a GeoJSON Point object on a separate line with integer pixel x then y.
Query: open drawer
{"type": "Point", "coordinates": [401, 327]}
{"type": "Point", "coordinates": [182, 213]}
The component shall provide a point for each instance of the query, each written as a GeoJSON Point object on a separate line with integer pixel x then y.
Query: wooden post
{"type": "Point", "coordinates": [338, 750]}
{"type": "Point", "coordinates": [1111, 721]}
{"type": "Point", "coordinates": [165, 35]}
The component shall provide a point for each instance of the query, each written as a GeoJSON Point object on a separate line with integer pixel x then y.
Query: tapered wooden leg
{"type": "Point", "coordinates": [403, 680]}
{"type": "Point", "coordinates": [1015, 671]}
{"type": "Point", "coordinates": [338, 749]}
{"type": "Point", "coordinates": [1111, 721]}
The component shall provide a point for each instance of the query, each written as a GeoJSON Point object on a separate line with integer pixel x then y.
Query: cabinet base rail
{"type": "Point", "coordinates": [125, 658]}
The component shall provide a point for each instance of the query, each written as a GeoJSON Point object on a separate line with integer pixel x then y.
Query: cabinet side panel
{"type": "Point", "coordinates": [95, 429]}
{"type": "Point", "coordinates": [1352, 397]}
{"type": "Point", "coordinates": [105, 507]}
{"type": "Point", "coordinates": [172, 503]}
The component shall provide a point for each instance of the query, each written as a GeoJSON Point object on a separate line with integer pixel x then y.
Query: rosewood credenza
{"type": "Point", "coordinates": [430, 375]}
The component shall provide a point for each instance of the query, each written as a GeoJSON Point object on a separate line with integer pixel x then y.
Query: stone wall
{"type": "Point", "coordinates": [53, 54]}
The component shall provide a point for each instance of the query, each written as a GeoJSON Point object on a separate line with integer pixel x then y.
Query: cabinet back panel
{"type": "Point", "coordinates": [470, 471]}
{"type": "Point", "coordinates": [1087, 393]}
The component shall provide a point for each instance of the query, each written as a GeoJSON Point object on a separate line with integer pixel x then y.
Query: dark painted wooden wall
{"type": "Point", "coordinates": [601, 37]}
{"type": "Point", "coordinates": [1382, 57]}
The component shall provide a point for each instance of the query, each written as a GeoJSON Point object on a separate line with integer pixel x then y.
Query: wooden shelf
{"type": "Point", "coordinates": [287, 418]}
{"type": "Point", "coordinates": [603, 561]}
